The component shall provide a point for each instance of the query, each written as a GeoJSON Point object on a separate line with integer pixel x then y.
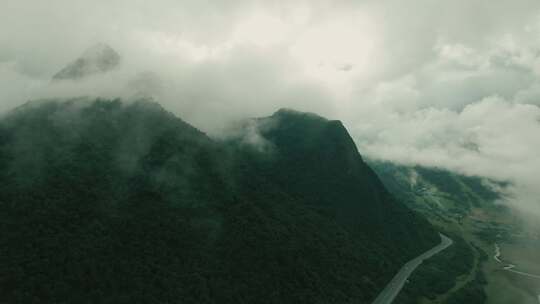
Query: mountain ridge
{"type": "Point", "coordinates": [100, 199]}
{"type": "Point", "coordinates": [97, 59]}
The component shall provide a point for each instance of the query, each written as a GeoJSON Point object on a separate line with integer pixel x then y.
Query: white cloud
{"type": "Point", "coordinates": [448, 83]}
{"type": "Point", "coordinates": [493, 137]}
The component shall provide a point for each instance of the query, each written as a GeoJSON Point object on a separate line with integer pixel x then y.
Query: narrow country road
{"type": "Point", "coordinates": [393, 288]}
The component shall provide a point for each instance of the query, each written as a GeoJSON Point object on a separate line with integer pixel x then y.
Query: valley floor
{"type": "Point", "coordinates": [518, 284]}
{"type": "Point", "coordinates": [489, 272]}
{"type": "Point", "coordinates": [483, 228]}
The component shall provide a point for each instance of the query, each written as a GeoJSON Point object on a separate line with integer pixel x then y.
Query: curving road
{"type": "Point", "coordinates": [393, 288]}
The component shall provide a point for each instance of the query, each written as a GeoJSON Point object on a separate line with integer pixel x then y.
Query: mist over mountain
{"type": "Point", "coordinates": [106, 201]}
{"type": "Point", "coordinates": [440, 193]}
{"type": "Point", "coordinates": [413, 88]}
{"type": "Point", "coordinates": [99, 58]}
{"type": "Point", "coordinates": [473, 211]}
{"type": "Point", "coordinates": [270, 151]}
{"type": "Point", "coordinates": [316, 160]}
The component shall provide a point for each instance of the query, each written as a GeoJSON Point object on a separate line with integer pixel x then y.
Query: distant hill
{"type": "Point", "coordinates": [438, 192]}
{"type": "Point", "coordinates": [109, 202]}
{"type": "Point", "coordinates": [97, 59]}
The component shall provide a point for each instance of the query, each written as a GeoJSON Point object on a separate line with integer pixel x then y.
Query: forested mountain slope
{"type": "Point", "coordinates": [109, 202]}
{"type": "Point", "coordinates": [436, 192]}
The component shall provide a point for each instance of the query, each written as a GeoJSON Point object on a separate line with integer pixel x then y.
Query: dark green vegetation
{"type": "Point", "coordinates": [317, 162]}
{"type": "Point", "coordinates": [473, 291]}
{"type": "Point", "coordinates": [448, 183]}
{"type": "Point", "coordinates": [448, 199]}
{"type": "Point", "coordinates": [437, 193]}
{"type": "Point", "coordinates": [492, 233]}
{"type": "Point", "coordinates": [104, 202]}
{"type": "Point", "coordinates": [439, 274]}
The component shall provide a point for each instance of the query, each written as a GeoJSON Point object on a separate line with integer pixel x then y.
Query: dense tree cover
{"type": "Point", "coordinates": [317, 162]}
{"type": "Point", "coordinates": [438, 274]}
{"type": "Point", "coordinates": [412, 185]}
{"type": "Point", "coordinates": [105, 202]}
{"type": "Point", "coordinates": [444, 181]}
{"type": "Point", "coordinates": [473, 291]}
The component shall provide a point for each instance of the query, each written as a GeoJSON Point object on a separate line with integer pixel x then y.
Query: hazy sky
{"type": "Point", "coordinates": [448, 83]}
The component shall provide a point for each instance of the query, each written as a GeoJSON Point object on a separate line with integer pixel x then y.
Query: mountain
{"type": "Point", "coordinates": [466, 208]}
{"type": "Point", "coordinates": [439, 193]}
{"type": "Point", "coordinates": [97, 59]}
{"type": "Point", "coordinates": [110, 202]}
{"type": "Point", "coordinates": [316, 161]}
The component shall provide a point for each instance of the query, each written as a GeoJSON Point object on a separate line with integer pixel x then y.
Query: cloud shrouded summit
{"type": "Point", "coordinates": [459, 90]}
{"type": "Point", "coordinates": [99, 58]}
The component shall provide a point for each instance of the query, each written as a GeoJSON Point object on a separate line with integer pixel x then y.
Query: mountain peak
{"type": "Point", "coordinates": [133, 181]}
{"type": "Point", "coordinates": [98, 50]}
{"type": "Point", "coordinates": [99, 58]}
{"type": "Point", "coordinates": [291, 113]}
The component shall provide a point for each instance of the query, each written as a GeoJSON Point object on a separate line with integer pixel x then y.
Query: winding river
{"type": "Point", "coordinates": [511, 267]}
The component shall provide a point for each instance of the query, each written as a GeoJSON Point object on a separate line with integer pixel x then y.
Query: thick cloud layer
{"type": "Point", "coordinates": [453, 84]}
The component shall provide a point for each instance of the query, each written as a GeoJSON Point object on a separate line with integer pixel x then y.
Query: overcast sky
{"type": "Point", "coordinates": [453, 84]}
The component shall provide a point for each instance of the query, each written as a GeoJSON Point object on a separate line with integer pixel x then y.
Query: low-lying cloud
{"type": "Point", "coordinates": [453, 84]}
